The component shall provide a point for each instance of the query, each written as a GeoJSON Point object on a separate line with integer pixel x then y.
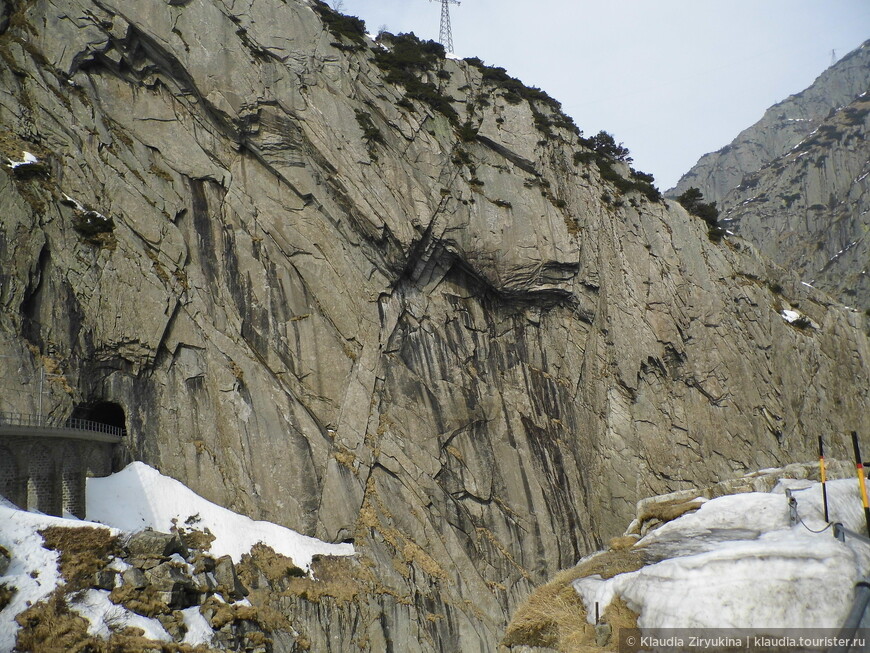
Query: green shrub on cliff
{"type": "Point", "coordinates": [407, 61]}
{"type": "Point", "coordinates": [693, 201]}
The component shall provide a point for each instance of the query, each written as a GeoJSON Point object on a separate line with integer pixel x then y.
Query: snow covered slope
{"type": "Point", "coordinates": [738, 562]}
{"type": "Point", "coordinates": [134, 499]}
{"type": "Point", "coordinates": [32, 570]}
{"type": "Point", "coordinates": [140, 497]}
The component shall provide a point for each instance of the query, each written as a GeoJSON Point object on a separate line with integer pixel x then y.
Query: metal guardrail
{"type": "Point", "coordinates": [860, 602]}
{"type": "Point", "coordinates": [48, 422]}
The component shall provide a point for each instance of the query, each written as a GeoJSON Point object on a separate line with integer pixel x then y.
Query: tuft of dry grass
{"type": "Point", "coordinates": [142, 601]}
{"type": "Point", "coordinates": [554, 615]}
{"type": "Point", "coordinates": [6, 594]}
{"type": "Point", "coordinates": [51, 627]}
{"type": "Point", "coordinates": [668, 510]}
{"type": "Point", "coordinates": [338, 577]}
{"type": "Point", "coordinates": [277, 568]}
{"type": "Point", "coordinates": [225, 613]}
{"type": "Point", "coordinates": [83, 552]}
{"type": "Point", "coordinates": [195, 539]}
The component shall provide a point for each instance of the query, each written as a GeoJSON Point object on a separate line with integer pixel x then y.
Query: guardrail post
{"type": "Point", "coordinates": [862, 482]}
{"type": "Point", "coordinates": [823, 479]}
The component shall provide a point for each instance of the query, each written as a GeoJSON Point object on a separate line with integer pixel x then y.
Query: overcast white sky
{"type": "Point", "coordinates": [671, 79]}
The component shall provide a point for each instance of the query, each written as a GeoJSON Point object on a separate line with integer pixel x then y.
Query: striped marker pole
{"type": "Point", "coordinates": [823, 479]}
{"type": "Point", "coordinates": [862, 483]}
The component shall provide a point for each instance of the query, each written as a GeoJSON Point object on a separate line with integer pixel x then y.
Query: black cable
{"type": "Point", "coordinates": [800, 519]}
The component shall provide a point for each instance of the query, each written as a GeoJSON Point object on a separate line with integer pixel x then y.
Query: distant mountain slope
{"type": "Point", "coordinates": [783, 126]}
{"type": "Point", "coordinates": [810, 208]}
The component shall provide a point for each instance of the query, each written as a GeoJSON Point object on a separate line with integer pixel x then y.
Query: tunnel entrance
{"type": "Point", "coordinates": [102, 412]}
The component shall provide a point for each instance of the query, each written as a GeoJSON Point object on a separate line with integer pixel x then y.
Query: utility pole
{"type": "Point", "coordinates": [446, 33]}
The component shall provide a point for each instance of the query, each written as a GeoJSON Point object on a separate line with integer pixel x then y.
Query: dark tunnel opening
{"type": "Point", "coordinates": [102, 412]}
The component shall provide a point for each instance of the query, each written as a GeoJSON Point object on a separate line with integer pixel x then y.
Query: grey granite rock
{"type": "Point", "coordinates": [455, 353]}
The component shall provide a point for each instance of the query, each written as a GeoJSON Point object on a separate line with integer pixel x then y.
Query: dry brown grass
{"type": "Point", "coordinates": [668, 510]}
{"type": "Point", "coordinates": [337, 577]}
{"type": "Point", "coordinates": [551, 616]}
{"type": "Point", "coordinates": [142, 601]}
{"type": "Point", "coordinates": [374, 515]}
{"type": "Point", "coordinates": [195, 539]}
{"type": "Point", "coordinates": [277, 568]}
{"type": "Point", "coordinates": [225, 613]}
{"type": "Point", "coordinates": [554, 615]}
{"type": "Point", "coordinates": [620, 616]}
{"type": "Point", "coordinates": [51, 627]}
{"type": "Point", "coordinates": [83, 552]}
{"type": "Point", "coordinates": [6, 594]}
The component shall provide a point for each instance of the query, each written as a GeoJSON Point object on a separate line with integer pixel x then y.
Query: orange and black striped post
{"type": "Point", "coordinates": [822, 477]}
{"type": "Point", "coordinates": [862, 482]}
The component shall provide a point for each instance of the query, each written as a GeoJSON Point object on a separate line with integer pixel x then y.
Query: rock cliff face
{"type": "Point", "coordinates": [393, 302]}
{"type": "Point", "coordinates": [782, 127]}
{"type": "Point", "coordinates": [796, 183]}
{"type": "Point", "coordinates": [810, 208]}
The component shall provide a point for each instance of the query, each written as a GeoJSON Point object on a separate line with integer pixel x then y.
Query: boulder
{"type": "Point", "coordinates": [135, 578]}
{"type": "Point", "coordinates": [154, 544]}
{"type": "Point", "coordinates": [173, 584]}
{"type": "Point", "coordinates": [228, 580]}
{"type": "Point", "coordinates": [105, 579]}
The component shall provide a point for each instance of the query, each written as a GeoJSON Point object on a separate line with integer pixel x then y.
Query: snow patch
{"type": "Point", "coordinates": [105, 617]}
{"type": "Point", "coordinates": [738, 562]}
{"type": "Point", "coordinates": [33, 569]}
{"type": "Point", "coordinates": [140, 497]}
{"type": "Point", "coordinates": [29, 159]}
{"type": "Point", "coordinates": [199, 632]}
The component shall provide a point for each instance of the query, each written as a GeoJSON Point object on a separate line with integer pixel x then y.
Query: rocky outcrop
{"type": "Point", "coordinates": [795, 183]}
{"type": "Point", "coordinates": [182, 598]}
{"type": "Point", "coordinates": [398, 303]}
{"type": "Point", "coordinates": [810, 208]}
{"type": "Point", "coordinates": [782, 127]}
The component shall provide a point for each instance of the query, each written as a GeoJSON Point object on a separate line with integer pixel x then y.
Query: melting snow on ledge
{"type": "Point", "coordinates": [140, 497]}
{"type": "Point", "coordinates": [739, 563]}
{"type": "Point", "coordinates": [29, 159]}
{"type": "Point", "coordinates": [790, 316]}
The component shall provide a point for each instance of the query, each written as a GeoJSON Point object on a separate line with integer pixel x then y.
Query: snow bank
{"type": "Point", "coordinates": [140, 497]}
{"type": "Point", "coordinates": [738, 563]}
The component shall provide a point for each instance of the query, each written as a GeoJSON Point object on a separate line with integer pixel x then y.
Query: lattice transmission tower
{"type": "Point", "coordinates": [446, 34]}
